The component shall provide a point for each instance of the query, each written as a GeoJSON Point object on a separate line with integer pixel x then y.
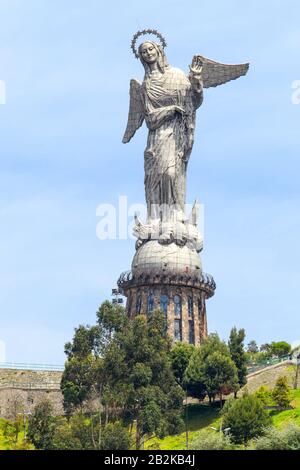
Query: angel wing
{"type": "Point", "coordinates": [136, 111]}
{"type": "Point", "coordinates": [215, 73]}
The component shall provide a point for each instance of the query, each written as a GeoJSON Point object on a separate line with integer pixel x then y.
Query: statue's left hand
{"type": "Point", "coordinates": [196, 67]}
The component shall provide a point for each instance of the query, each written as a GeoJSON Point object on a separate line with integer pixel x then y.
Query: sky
{"type": "Point", "coordinates": [67, 67]}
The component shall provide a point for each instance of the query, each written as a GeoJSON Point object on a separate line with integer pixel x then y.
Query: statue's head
{"type": "Point", "coordinates": [150, 53]}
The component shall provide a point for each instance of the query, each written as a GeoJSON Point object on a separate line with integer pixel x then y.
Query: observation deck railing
{"type": "Point", "coordinates": [26, 366]}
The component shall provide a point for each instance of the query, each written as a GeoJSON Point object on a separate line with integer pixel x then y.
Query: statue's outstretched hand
{"type": "Point", "coordinates": [196, 67]}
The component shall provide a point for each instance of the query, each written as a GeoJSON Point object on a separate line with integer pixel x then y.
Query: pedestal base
{"type": "Point", "coordinates": [182, 298]}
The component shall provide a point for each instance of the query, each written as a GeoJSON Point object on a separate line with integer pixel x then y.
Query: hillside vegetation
{"type": "Point", "coordinates": [202, 417]}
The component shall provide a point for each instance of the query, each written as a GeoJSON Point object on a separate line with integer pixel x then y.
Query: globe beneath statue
{"type": "Point", "coordinates": [155, 258]}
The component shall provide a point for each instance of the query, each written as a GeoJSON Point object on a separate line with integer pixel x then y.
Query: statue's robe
{"type": "Point", "coordinates": [171, 136]}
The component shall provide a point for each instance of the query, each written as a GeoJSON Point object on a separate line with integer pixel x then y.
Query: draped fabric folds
{"type": "Point", "coordinates": [170, 102]}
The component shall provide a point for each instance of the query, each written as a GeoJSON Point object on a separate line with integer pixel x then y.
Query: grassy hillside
{"type": "Point", "coordinates": [283, 418]}
{"type": "Point", "coordinates": [202, 417]}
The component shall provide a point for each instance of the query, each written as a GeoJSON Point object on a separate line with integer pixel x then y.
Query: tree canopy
{"type": "Point", "coordinates": [238, 355]}
{"type": "Point", "coordinates": [126, 366]}
{"type": "Point", "coordinates": [211, 371]}
{"type": "Point", "coordinates": [246, 418]}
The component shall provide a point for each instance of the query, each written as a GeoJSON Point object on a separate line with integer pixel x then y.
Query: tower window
{"type": "Point", "coordinates": [177, 330]}
{"type": "Point", "coordinates": [191, 332]}
{"type": "Point", "coordinates": [129, 302]}
{"type": "Point", "coordinates": [178, 317]}
{"type": "Point", "coordinates": [200, 308]}
{"type": "Point", "coordinates": [150, 303]}
{"type": "Point", "coordinates": [177, 306]}
{"type": "Point", "coordinates": [190, 307]}
{"type": "Point", "coordinates": [164, 301]}
{"type": "Point", "coordinates": [138, 304]}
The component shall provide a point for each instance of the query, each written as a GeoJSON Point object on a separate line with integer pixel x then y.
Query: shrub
{"type": "Point", "coordinates": [41, 425]}
{"type": "Point", "coordinates": [115, 437]}
{"type": "Point", "coordinates": [246, 418]}
{"type": "Point", "coordinates": [281, 393]}
{"type": "Point", "coordinates": [211, 441]}
{"type": "Point", "coordinates": [274, 439]}
{"type": "Point", "coordinates": [64, 438]}
{"type": "Point", "coordinates": [264, 395]}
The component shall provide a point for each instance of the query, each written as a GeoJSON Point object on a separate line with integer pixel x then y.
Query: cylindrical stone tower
{"type": "Point", "coordinates": [169, 276]}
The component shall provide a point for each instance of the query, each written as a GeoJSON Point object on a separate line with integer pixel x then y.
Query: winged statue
{"type": "Point", "coordinates": [167, 100]}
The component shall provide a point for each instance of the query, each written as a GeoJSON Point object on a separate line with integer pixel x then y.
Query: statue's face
{"type": "Point", "coordinates": [148, 52]}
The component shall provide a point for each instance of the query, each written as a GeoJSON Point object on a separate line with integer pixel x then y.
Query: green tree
{"type": "Point", "coordinates": [77, 379]}
{"type": "Point", "coordinates": [77, 434]}
{"type": "Point", "coordinates": [280, 349]}
{"type": "Point", "coordinates": [84, 342]}
{"type": "Point", "coordinates": [41, 425]}
{"type": "Point", "coordinates": [193, 377]}
{"type": "Point", "coordinates": [64, 438]}
{"type": "Point", "coordinates": [204, 374]}
{"type": "Point", "coordinates": [219, 375]}
{"type": "Point", "coordinates": [180, 357]}
{"type": "Point", "coordinates": [126, 366]}
{"type": "Point", "coordinates": [266, 347]}
{"type": "Point", "coordinates": [153, 396]}
{"type": "Point", "coordinates": [116, 437]}
{"type": "Point", "coordinates": [76, 383]}
{"type": "Point", "coordinates": [213, 344]}
{"type": "Point", "coordinates": [252, 347]}
{"type": "Point", "coordinates": [111, 318]}
{"type": "Point", "coordinates": [245, 417]}
{"type": "Point", "coordinates": [236, 347]}
{"type": "Point", "coordinates": [81, 427]}
{"type": "Point", "coordinates": [84, 377]}
{"type": "Point", "coordinates": [81, 432]}
{"type": "Point", "coordinates": [11, 430]}
{"type": "Point", "coordinates": [281, 393]}
{"type": "Point", "coordinates": [264, 395]}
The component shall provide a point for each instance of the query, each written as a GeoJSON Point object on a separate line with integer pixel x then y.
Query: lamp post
{"type": "Point", "coordinates": [116, 295]}
{"type": "Point", "coordinates": [225, 430]}
{"type": "Point", "coordinates": [297, 362]}
{"type": "Point", "coordinates": [186, 420]}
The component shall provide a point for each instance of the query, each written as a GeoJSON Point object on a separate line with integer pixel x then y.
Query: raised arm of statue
{"type": "Point", "coordinates": [196, 80]}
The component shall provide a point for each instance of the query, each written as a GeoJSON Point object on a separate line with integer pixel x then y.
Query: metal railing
{"type": "Point", "coordinates": [267, 363]}
{"type": "Point", "coordinates": [127, 276]}
{"type": "Point", "coordinates": [41, 367]}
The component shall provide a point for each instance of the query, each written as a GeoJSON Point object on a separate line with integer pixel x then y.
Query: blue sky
{"type": "Point", "coordinates": [67, 67]}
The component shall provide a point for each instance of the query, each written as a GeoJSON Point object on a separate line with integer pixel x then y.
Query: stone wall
{"type": "Point", "coordinates": [22, 390]}
{"type": "Point", "coordinates": [269, 376]}
{"type": "Point", "coordinates": [35, 376]}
